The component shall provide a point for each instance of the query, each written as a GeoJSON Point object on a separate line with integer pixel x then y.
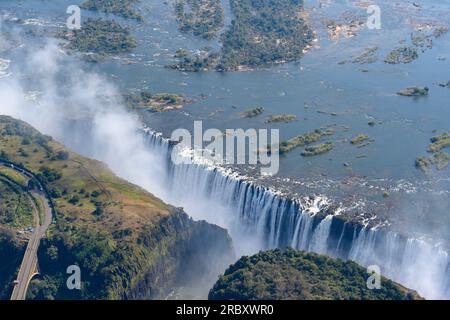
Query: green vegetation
{"type": "Point", "coordinates": [421, 40]}
{"type": "Point", "coordinates": [253, 39]}
{"type": "Point", "coordinates": [439, 142]}
{"type": "Point", "coordinates": [291, 274]}
{"type": "Point", "coordinates": [440, 31]}
{"type": "Point", "coordinates": [439, 158]}
{"type": "Point", "coordinates": [424, 38]}
{"type": "Point", "coordinates": [127, 243]}
{"type": "Point", "coordinates": [121, 8]}
{"type": "Point", "coordinates": [13, 175]}
{"type": "Point", "coordinates": [318, 149]}
{"type": "Point", "coordinates": [414, 92]}
{"type": "Point", "coordinates": [16, 206]}
{"type": "Point", "coordinates": [203, 61]}
{"type": "Point", "coordinates": [264, 32]}
{"type": "Point", "coordinates": [252, 113]}
{"type": "Point", "coordinates": [281, 118]}
{"type": "Point", "coordinates": [201, 17]}
{"type": "Point", "coordinates": [304, 139]}
{"type": "Point", "coordinates": [360, 138]}
{"type": "Point", "coordinates": [11, 253]}
{"type": "Point", "coordinates": [424, 163]}
{"type": "Point", "coordinates": [181, 53]}
{"type": "Point", "coordinates": [100, 37]}
{"type": "Point", "coordinates": [402, 55]}
{"type": "Point", "coordinates": [367, 56]}
{"type": "Point", "coordinates": [145, 100]}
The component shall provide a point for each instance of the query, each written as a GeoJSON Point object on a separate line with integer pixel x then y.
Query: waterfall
{"type": "Point", "coordinates": [319, 240]}
{"type": "Point", "coordinates": [303, 231]}
{"type": "Point", "coordinates": [258, 218]}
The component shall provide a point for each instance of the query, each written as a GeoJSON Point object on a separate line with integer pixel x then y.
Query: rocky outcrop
{"type": "Point", "coordinates": [445, 85]}
{"type": "Point", "coordinates": [414, 92]}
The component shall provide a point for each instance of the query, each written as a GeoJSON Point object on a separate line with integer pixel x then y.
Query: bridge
{"type": "Point", "coordinates": [29, 266]}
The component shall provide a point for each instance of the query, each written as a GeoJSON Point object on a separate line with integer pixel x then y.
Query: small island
{"type": "Point", "coordinates": [304, 139]}
{"type": "Point", "coordinates": [252, 113]}
{"type": "Point", "coordinates": [414, 92]}
{"type": "Point", "coordinates": [402, 55]}
{"type": "Point", "coordinates": [318, 149]}
{"type": "Point", "coordinates": [161, 102]}
{"type": "Point", "coordinates": [439, 158]}
{"type": "Point", "coordinates": [99, 36]}
{"type": "Point", "coordinates": [281, 118]}
{"type": "Point", "coordinates": [360, 138]}
{"type": "Point", "coordinates": [439, 142]}
{"type": "Point", "coordinates": [252, 40]}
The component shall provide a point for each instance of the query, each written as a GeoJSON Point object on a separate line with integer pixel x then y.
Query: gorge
{"type": "Point", "coordinates": [260, 219]}
{"type": "Point", "coordinates": [336, 209]}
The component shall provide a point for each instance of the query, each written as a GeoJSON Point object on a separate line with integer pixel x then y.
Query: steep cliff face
{"type": "Point", "coordinates": [177, 252]}
{"type": "Point", "coordinates": [127, 243]}
{"type": "Point", "coordinates": [190, 255]}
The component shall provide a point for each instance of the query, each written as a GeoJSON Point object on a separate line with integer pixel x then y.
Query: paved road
{"type": "Point", "coordinates": [28, 267]}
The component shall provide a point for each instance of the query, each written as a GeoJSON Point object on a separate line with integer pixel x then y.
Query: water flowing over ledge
{"type": "Point", "coordinates": [260, 218]}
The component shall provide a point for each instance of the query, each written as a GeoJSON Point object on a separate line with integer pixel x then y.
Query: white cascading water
{"type": "Point", "coordinates": [322, 232]}
{"type": "Point", "coordinates": [259, 219]}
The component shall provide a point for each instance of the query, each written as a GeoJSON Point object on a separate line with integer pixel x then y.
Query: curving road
{"type": "Point", "coordinates": [28, 268]}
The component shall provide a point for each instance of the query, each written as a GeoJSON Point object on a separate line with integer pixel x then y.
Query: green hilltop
{"type": "Point", "coordinates": [290, 274]}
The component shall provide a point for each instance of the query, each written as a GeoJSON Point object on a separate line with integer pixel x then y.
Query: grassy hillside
{"type": "Point", "coordinates": [292, 274]}
{"type": "Point", "coordinates": [16, 207]}
{"type": "Point", "coordinates": [127, 242]}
